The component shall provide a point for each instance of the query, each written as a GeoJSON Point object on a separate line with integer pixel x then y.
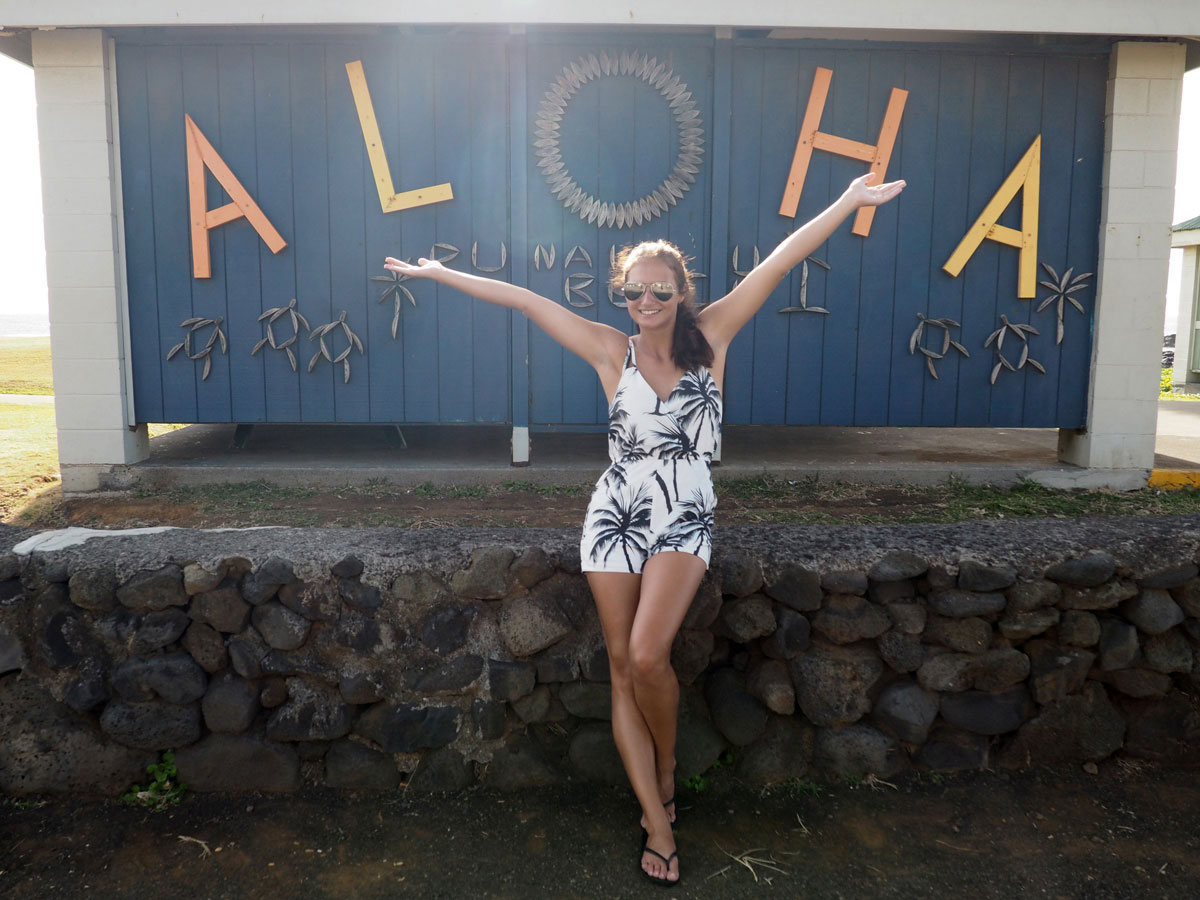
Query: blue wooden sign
{"type": "Point", "coordinates": [532, 158]}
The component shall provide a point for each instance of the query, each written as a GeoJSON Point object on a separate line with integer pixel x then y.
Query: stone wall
{"type": "Point", "coordinates": [367, 659]}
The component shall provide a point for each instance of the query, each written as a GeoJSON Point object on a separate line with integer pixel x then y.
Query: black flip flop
{"type": "Point", "coordinates": [663, 882]}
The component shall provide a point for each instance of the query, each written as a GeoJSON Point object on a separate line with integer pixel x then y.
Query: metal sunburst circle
{"type": "Point", "coordinates": [687, 121]}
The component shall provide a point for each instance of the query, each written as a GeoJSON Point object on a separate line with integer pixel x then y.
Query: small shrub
{"type": "Point", "coordinates": [163, 789]}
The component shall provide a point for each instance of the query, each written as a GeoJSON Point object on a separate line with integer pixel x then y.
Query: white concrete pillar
{"type": "Point", "coordinates": [1141, 133]}
{"type": "Point", "coordinates": [75, 83]}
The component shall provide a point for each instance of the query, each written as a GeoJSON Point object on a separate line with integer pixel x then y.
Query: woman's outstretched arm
{"type": "Point", "coordinates": [724, 318]}
{"type": "Point", "coordinates": [600, 345]}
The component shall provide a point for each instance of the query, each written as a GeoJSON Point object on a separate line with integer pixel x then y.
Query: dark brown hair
{"type": "Point", "coordinates": [689, 347]}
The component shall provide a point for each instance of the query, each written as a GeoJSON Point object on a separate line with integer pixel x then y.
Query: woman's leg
{"type": "Point", "coordinates": [617, 601]}
{"type": "Point", "coordinates": [669, 584]}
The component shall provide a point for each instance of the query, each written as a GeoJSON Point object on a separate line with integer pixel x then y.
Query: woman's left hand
{"type": "Point", "coordinates": [863, 193]}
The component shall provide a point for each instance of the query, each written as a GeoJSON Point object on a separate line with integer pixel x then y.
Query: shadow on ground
{"type": "Point", "coordinates": [1131, 831]}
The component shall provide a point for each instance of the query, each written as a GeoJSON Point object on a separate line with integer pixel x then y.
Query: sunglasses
{"type": "Point", "coordinates": [662, 290]}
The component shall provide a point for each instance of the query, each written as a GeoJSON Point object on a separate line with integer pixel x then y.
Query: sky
{"type": "Point", "coordinates": [22, 254]}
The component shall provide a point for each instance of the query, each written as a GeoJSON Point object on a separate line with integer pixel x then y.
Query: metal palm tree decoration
{"type": "Point", "coordinates": [395, 287]}
{"type": "Point", "coordinates": [1022, 332]}
{"type": "Point", "coordinates": [1061, 290]}
{"type": "Point", "coordinates": [196, 324]}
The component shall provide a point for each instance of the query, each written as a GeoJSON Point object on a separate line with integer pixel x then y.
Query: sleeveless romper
{"type": "Point", "coordinates": [657, 494]}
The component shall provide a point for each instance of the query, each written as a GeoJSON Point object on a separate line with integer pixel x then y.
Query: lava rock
{"type": "Point", "coordinates": [976, 576]}
{"type": "Point", "coordinates": [352, 766]}
{"type": "Point", "coordinates": [906, 710]}
{"type": "Point", "coordinates": [856, 751]}
{"type": "Point", "coordinates": [1168, 652]}
{"type": "Point", "coordinates": [1024, 625]}
{"type": "Point", "coordinates": [534, 706]}
{"type": "Point", "coordinates": [175, 677]}
{"type": "Point", "coordinates": [844, 581]}
{"type": "Point", "coordinates": [963, 604]}
{"type": "Point", "coordinates": [735, 712]}
{"type": "Point", "coordinates": [206, 647]}
{"type": "Point", "coordinates": [846, 618]}
{"type": "Point", "coordinates": [453, 675]}
{"type": "Point", "coordinates": [798, 588]}
{"type": "Point", "coordinates": [362, 688]}
{"type": "Point", "coordinates": [1138, 682]}
{"type": "Point", "coordinates": [1079, 628]}
{"type": "Point", "coordinates": [1077, 728]}
{"type": "Point", "coordinates": [316, 601]}
{"type": "Point", "coordinates": [898, 565]}
{"type": "Point", "coordinates": [690, 654]}
{"type": "Point", "coordinates": [833, 683]}
{"type": "Point", "coordinates": [313, 712]}
{"type": "Point", "coordinates": [401, 728]}
{"type": "Point", "coordinates": [791, 635]}
{"type": "Point", "coordinates": [946, 672]}
{"type": "Point", "coordinates": [1171, 577]}
{"type": "Point", "coordinates": [888, 592]}
{"type": "Point", "coordinates": [357, 595]}
{"type": "Point", "coordinates": [93, 589]}
{"type": "Point", "coordinates": [223, 609]}
{"type": "Point", "coordinates": [442, 771]}
{"type": "Point", "coordinates": [12, 655]}
{"type": "Point", "coordinates": [87, 690]}
{"type": "Point", "coordinates": [520, 766]}
{"type": "Point", "coordinates": [1026, 595]}
{"type": "Point", "coordinates": [349, 566]}
{"type": "Point", "coordinates": [159, 629]}
{"type": "Point", "coordinates": [741, 573]}
{"type": "Point", "coordinates": [998, 669]}
{"type": "Point", "coordinates": [151, 726]}
{"type": "Point", "coordinates": [1152, 611]}
{"type": "Point", "coordinates": [748, 617]}
{"type": "Point", "coordinates": [1056, 671]}
{"type": "Point", "coordinates": [359, 632]}
{"type": "Point", "coordinates": [698, 743]}
{"type": "Point", "coordinates": [769, 682]}
{"type": "Point", "coordinates": [970, 635]}
{"type": "Point", "coordinates": [47, 750]}
{"type": "Point", "coordinates": [280, 627]}
{"type": "Point", "coordinates": [1106, 596]}
{"type": "Point", "coordinates": [902, 652]}
{"type": "Point", "coordinates": [705, 606]}
{"type": "Point", "coordinates": [230, 704]}
{"type": "Point", "coordinates": [65, 639]}
{"type": "Point", "coordinates": [444, 629]}
{"type": "Point", "coordinates": [1089, 571]}
{"type": "Point", "coordinates": [908, 618]}
{"type": "Point", "coordinates": [154, 590]}
{"type": "Point", "coordinates": [987, 713]}
{"type": "Point", "coordinates": [510, 680]}
{"type": "Point", "coordinates": [1118, 644]}
{"type": "Point", "coordinates": [1188, 597]}
{"type": "Point", "coordinates": [486, 578]}
{"type": "Point", "coordinates": [530, 624]}
{"type": "Point", "coordinates": [197, 579]}
{"type": "Point", "coordinates": [1166, 731]}
{"type": "Point", "coordinates": [274, 692]}
{"type": "Point", "coordinates": [557, 664]}
{"type": "Point", "coordinates": [587, 700]}
{"type": "Point", "coordinates": [593, 754]}
{"type": "Point", "coordinates": [230, 762]}
{"type": "Point", "coordinates": [246, 653]}
{"type": "Point", "coordinates": [531, 567]}
{"type": "Point", "coordinates": [784, 752]}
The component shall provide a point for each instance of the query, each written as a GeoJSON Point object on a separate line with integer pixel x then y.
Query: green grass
{"type": "Point", "coordinates": [25, 366]}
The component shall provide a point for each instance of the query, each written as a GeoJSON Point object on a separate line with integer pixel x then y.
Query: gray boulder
{"type": "Point", "coordinates": [1152, 611]}
{"type": "Point", "coordinates": [222, 608]}
{"type": "Point", "coordinates": [906, 710]}
{"type": "Point", "coordinates": [230, 704]}
{"type": "Point", "coordinates": [402, 728]}
{"type": "Point", "coordinates": [280, 627]}
{"type": "Point", "coordinates": [442, 771]}
{"type": "Point", "coordinates": [154, 590]}
{"type": "Point", "coordinates": [982, 712]}
{"type": "Point", "coordinates": [735, 712]}
{"type": "Point", "coordinates": [976, 576]}
{"type": "Point", "coordinates": [231, 762]}
{"type": "Point", "coordinates": [151, 726]}
{"type": "Point", "coordinates": [784, 752]}
{"type": "Point", "coordinates": [898, 565]}
{"type": "Point", "coordinates": [1077, 728]}
{"type": "Point", "coordinates": [594, 755]}
{"type": "Point", "coordinates": [798, 588]}
{"type": "Point", "coordinates": [1089, 571]}
{"type": "Point", "coordinates": [846, 618]}
{"type": "Point", "coordinates": [856, 751]}
{"type": "Point", "coordinates": [833, 683]}
{"type": "Point", "coordinates": [486, 578]}
{"type": "Point", "coordinates": [313, 712]}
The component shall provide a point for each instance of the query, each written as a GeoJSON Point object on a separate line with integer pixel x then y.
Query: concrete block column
{"type": "Point", "coordinates": [1140, 137]}
{"type": "Point", "coordinates": [75, 83]}
{"type": "Point", "coordinates": [1185, 324]}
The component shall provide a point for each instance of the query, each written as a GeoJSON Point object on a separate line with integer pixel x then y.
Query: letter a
{"type": "Point", "coordinates": [202, 155]}
{"type": "Point", "coordinates": [1026, 174]}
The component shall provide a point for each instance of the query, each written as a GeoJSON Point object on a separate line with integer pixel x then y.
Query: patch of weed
{"type": "Point", "coordinates": [164, 788]}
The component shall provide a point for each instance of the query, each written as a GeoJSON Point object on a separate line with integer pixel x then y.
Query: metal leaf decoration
{"type": "Point", "coordinates": [1021, 331]}
{"type": "Point", "coordinates": [475, 258]}
{"type": "Point", "coordinates": [194, 325]}
{"type": "Point", "coordinates": [924, 325]}
{"type": "Point", "coordinates": [1061, 291]}
{"type": "Point", "coordinates": [395, 288]}
{"type": "Point", "coordinates": [274, 314]}
{"type": "Point", "coordinates": [352, 343]}
{"type": "Point", "coordinates": [804, 307]}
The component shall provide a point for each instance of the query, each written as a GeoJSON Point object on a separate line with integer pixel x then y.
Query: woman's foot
{"type": "Point", "coordinates": [666, 792]}
{"type": "Point", "coordinates": [660, 862]}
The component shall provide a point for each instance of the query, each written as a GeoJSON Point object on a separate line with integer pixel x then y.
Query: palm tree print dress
{"type": "Point", "coordinates": [657, 495]}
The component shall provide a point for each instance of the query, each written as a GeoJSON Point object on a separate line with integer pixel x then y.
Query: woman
{"type": "Point", "coordinates": [647, 535]}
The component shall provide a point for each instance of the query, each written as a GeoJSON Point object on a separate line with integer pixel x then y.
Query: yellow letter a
{"type": "Point", "coordinates": [1026, 174]}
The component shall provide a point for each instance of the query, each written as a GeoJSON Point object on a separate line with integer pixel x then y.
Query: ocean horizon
{"type": "Point", "coordinates": [25, 324]}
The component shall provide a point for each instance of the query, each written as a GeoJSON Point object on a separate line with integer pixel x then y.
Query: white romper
{"type": "Point", "coordinates": [657, 494]}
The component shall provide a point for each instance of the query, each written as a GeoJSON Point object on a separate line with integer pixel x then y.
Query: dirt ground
{"type": "Point", "coordinates": [1130, 831]}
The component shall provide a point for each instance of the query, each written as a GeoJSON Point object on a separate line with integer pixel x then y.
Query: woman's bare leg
{"type": "Point", "coordinates": [617, 600]}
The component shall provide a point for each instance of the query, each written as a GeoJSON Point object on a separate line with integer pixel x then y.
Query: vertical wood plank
{"type": "Point", "coordinates": [517, 55]}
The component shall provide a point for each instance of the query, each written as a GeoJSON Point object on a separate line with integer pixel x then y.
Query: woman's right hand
{"type": "Point", "coordinates": [425, 268]}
